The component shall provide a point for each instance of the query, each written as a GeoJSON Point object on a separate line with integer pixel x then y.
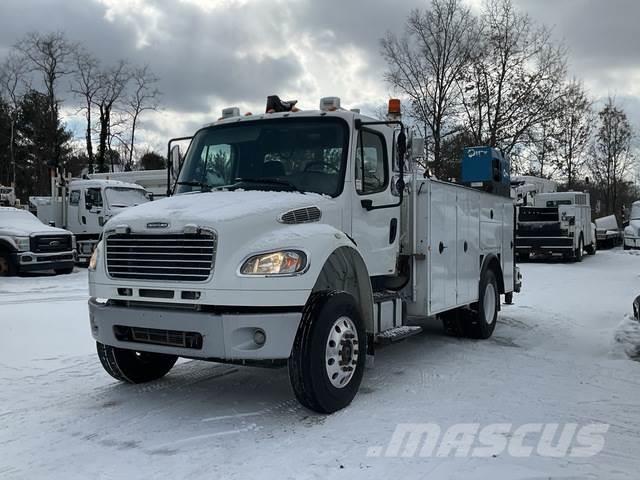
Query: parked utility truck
{"type": "Point", "coordinates": [297, 238]}
{"type": "Point", "coordinates": [153, 181]}
{"type": "Point", "coordinates": [84, 206]}
{"type": "Point", "coordinates": [556, 224]}
{"type": "Point", "coordinates": [7, 196]}
{"type": "Point", "coordinates": [632, 230]}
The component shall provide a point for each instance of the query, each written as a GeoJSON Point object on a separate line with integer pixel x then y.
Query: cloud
{"type": "Point", "coordinates": [210, 54]}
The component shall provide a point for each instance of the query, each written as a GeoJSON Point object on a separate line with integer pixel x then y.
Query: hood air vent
{"type": "Point", "coordinates": [300, 215]}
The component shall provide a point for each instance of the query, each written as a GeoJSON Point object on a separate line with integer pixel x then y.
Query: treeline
{"type": "Point", "coordinates": [41, 72]}
{"type": "Point", "coordinates": [498, 78]}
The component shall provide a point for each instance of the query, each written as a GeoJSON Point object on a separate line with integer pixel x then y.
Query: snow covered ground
{"type": "Point", "coordinates": [554, 358]}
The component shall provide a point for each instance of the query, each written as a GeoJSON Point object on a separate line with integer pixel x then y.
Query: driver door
{"type": "Point", "coordinates": [375, 231]}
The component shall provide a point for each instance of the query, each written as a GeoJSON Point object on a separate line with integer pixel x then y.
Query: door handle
{"type": "Point", "coordinates": [441, 247]}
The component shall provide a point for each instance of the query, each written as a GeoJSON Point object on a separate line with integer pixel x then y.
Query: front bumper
{"type": "Point", "coordinates": [632, 242]}
{"type": "Point", "coordinates": [29, 261]}
{"type": "Point", "coordinates": [223, 336]}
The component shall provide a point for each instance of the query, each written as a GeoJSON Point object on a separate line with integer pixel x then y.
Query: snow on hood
{"type": "Point", "coordinates": [22, 223]}
{"type": "Point", "coordinates": [205, 208]}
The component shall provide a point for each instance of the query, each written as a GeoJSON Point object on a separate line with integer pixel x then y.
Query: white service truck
{"type": "Point", "coordinates": [632, 230]}
{"type": "Point", "coordinates": [293, 240]}
{"type": "Point", "coordinates": [153, 181]}
{"type": "Point", "coordinates": [84, 206]}
{"type": "Point", "coordinates": [556, 223]}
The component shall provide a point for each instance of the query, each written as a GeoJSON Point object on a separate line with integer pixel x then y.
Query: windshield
{"type": "Point", "coordinates": [5, 190]}
{"type": "Point", "coordinates": [289, 154]}
{"type": "Point", "coordinates": [125, 197]}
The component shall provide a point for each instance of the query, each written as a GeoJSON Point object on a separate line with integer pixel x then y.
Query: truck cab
{"type": "Point", "coordinates": [297, 238]}
{"type": "Point", "coordinates": [557, 223]}
{"type": "Point", "coordinates": [84, 206]}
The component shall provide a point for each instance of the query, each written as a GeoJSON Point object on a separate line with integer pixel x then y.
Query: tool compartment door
{"type": "Point", "coordinates": [468, 247]}
{"type": "Point", "coordinates": [442, 248]}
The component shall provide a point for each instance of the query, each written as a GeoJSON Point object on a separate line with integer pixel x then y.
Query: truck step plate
{"type": "Point", "coordinates": [396, 334]}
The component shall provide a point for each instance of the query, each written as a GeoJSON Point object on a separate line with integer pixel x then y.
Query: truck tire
{"type": "Point", "coordinates": [483, 322]}
{"type": "Point", "coordinates": [329, 352]}
{"type": "Point", "coordinates": [455, 322]}
{"type": "Point", "coordinates": [64, 271]}
{"type": "Point", "coordinates": [7, 265]}
{"type": "Point", "coordinates": [508, 298]}
{"type": "Point", "coordinates": [134, 367]}
{"type": "Point", "coordinates": [591, 249]}
{"type": "Point", "coordinates": [578, 253]}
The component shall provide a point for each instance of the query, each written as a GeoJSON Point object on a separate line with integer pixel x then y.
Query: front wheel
{"type": "Point", "coordinates": [578, 253]}
{"type": "Point", "coordinates": [7, 265]}
{"type": "Point", "coordinates": [134, 367]}
{"type": "Point", "coordinates": [329, 352]}
{"type": "Point", "coordinates": [483, 322]}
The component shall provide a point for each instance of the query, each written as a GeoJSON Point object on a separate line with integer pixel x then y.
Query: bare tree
{"type": "Point", "coordinates": [612, 158]}
{"type": "Point", "coordinates": [113, 83]}
{"type": "Point", "coordinates": [574, 125]}
{"type": "Point", "coordinates": [515, 84]}
{"type": "Point", "coordinates": [426, 63]}
{"type": "Point", "coordinates": [144, 96]}
{"type": "Point", "coordinates": [13, 84]}
{"type": "Point", "coordinates": [49, 55]}
{"type": "Point", "coordinates": [86, 85]}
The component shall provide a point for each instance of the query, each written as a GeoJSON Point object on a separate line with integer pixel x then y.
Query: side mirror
{"type": "Point", "coordinates": [417, 147]}
{"type": "Point", "coordinates": [175, 160]}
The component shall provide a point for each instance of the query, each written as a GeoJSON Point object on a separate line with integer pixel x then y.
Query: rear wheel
{"type": "Point", "coordinates": [7, 265]}
{"type": "Point", "coordinates": [134, 367]}
{"type": "Point", "coordinates": [329, 352]}
{"type": "Point", "coordinates": [483, 322]}
{"type": "Point", "coordinates": [591, 249]}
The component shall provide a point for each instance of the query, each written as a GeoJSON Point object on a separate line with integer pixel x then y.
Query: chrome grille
{"type": "Point", "coordinates": [301, 215]}
{"type": "Point", "coordinates": [177, 257]}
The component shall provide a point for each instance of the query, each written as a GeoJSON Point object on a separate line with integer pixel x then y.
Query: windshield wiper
{"type": "Point", "coordinates": [269, 181]}
{"type": "Point", "coordinates": [205, 187]}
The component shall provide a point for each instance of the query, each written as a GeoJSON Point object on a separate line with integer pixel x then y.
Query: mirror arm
{"type": "Point", "coordinates": [169, 163]}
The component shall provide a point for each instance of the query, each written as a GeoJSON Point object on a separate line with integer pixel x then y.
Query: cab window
{"type": "Point", "coordinates": [93, 197]}
{"type": "Point", "coordinates": [74, 197]}
{"type": "Point", "coordinates": [372, 171]}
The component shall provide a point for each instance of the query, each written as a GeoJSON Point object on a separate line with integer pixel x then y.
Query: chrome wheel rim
{"type": "Point", "coordinates": [489, 303]}
{"type": "Point", "coordinates": [342, 352]}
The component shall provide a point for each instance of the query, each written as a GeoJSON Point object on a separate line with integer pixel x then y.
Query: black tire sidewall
{"type": "Point", "coordinates": [326, 397]}
{"type": "Point", "coordinates": [480, 327]}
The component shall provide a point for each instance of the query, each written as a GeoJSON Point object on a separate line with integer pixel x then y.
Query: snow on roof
{"type": "Point", "coordinates": [88, 183]}
{"type": "Point", "coordinates": [344, 114]}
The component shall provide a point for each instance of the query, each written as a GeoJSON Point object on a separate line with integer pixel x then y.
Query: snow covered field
{"type": "Point", "coordinates": [552, 359]}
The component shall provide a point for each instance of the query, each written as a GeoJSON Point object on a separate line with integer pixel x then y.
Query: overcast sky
{"type": "Point", "coordinates": [211, 54]}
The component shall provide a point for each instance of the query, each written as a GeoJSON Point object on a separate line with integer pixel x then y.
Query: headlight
{"type": "Point", "coordinates": [22, 243]}
{"type": "Point", "coordinates": [93, 262]}
{"type": "Point", "coordinates": [285, 262]}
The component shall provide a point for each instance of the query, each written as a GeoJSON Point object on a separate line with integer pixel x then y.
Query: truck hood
{"type": "Point", "coordinates": [25, 227]}
{"type": "Point", "coordinates": [215, 209]}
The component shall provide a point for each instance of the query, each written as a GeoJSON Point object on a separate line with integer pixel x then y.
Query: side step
{"type": "Point", "coordinates": [396, 334]}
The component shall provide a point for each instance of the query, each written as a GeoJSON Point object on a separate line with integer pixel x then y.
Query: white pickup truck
{"type": "Point", "coordinates": [556, 223]}
{"type": "Point", "coordinates": [26, 244]}
{"type": "Point", "coordinates": [632, 230]}
{"type": "Point", "coordinates": [292, 240]}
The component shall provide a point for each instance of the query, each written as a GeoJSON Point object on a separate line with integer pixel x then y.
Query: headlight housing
{"type": "Point", "coordinates": [93, 261]}
{"type": "Point", "coordinates": [22, 243]}
{"type": "Point", "coordinates": [283, 262]}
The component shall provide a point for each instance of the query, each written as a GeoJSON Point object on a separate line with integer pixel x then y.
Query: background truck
{"type": "Point", "coordinates": [7, 196]}
{"type": "Point", "coordinates": [608, 233]}
{"type": "Point", "coordinates": [632, 230]}
{"type": "Point", "coordinates": [84, 206]}
{"type": "Point", "coordinates": [524, 188]}
{"type": "Point", "coordinates": [26, 244]}
{"type": "Point", "coordinates": [296, 238]}
{"type": "Point", "coordinates": [556, 223]}
{"type": "Point", "coordinates": [153, 181]}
